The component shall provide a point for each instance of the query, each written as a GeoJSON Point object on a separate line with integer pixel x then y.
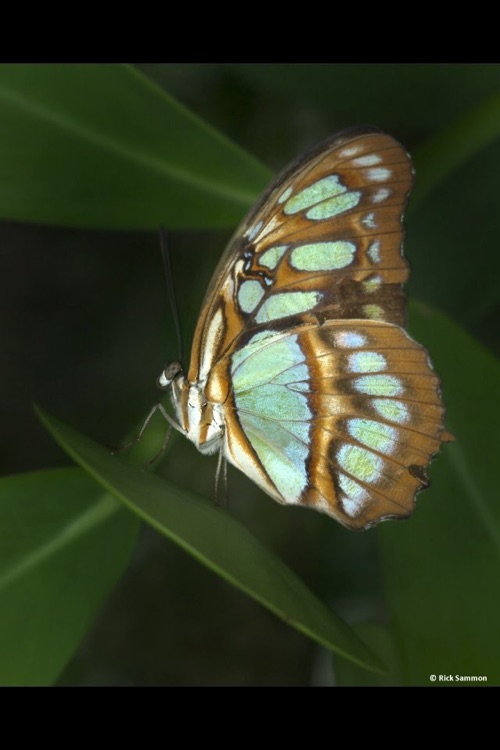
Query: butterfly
{"type": "Point", "coordinates": [301, 372]}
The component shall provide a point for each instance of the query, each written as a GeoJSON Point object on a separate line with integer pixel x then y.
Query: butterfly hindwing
{"type": "Point", "coordinates": [342, 417]}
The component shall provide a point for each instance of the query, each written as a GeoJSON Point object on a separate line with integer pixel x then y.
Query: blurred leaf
{"type": "Point", "coordinates": [218, 540]}
{"type": "Point", "coordinates": [450, 147]}
{"type": "Point", "coordinates": [412, 97]}
{"type": "Point", "coordinates": [63, 545]}
{"type": "Point", "coordinates": [452, 241]}
{"type": "Point", "coordinates": [443, 566]}
{"type": "Point", "coordinates": [452, 244]}
{"type": "Point", "coordinates": [103, 146]}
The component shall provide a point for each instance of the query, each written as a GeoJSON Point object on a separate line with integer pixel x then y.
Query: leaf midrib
{"type": "Point", "coordinates": [105, 507]}
{"type": "Point", "coordinates": [237, 196]}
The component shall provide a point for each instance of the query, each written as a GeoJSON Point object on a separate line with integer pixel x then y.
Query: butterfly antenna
{"type": "Point", "coordinates": [159, 407]}
{"type": "Point", "coordinates": [170, 290]}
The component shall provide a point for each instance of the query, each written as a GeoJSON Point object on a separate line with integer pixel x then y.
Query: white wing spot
{"type": "Point", "coordinates": [336, 205]}
{"type": "Point", "coordinates": [349, 151]}
{"type": "Point", "coordinates": [375, 435]}
{"type": "Point", "coordinates": [360, 463]}
{"type": "Point", "coordinates": [270, 258]}
{"type": "Point", "coordinates": [253, 231]}
{"type": "Point", "coordinates": [379, 385]}
{"type": "Point", "coordinates": [372, 284]}
{"type": "Point", "coordinates": [285, 304]}
{"type": "Point", "coordinates": [374, 251]}
{"type": "Point", "coordinates": [323, 256]}
{"type": "Point", "coordinates": [356, 495]}
{"type": "Point", "coordinates": [325, 189]}
{"type": "Point", "coordinates": [378, 174]}
{"type": "Point", "coordinates": [285, 195]}
{"type": "Point", "coordinates": [369, 221]}
{"type": "Point", "coordinates": [250, 294]}
{"type": "Point", "coordinates": [367, 161]}
{"type": "Point", "coordinates": [350, 340]}
{"type": "Point", "coordinates": [392, 410]}
{"type": "Point", "coordinates": [381, 195]}
{"type": "Point", "coordinates": [367, 362]}
{"type": "Point", "coordinates": [375, 312]}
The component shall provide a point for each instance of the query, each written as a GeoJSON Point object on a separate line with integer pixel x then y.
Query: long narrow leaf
{"type": "Point", "coordinates": [451, 147]}
{"type": "Point", "coordinates": [219, 541]}
{"type": "Point", "coordinates": [63, 544]}
{"type": "Point", "coordinates": [103, 146]}
{"type": "Point", "coordinates": [443, 567]}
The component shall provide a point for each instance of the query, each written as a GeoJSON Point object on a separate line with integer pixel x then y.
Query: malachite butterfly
{"type": "Point", "coordinates": [301, 372]}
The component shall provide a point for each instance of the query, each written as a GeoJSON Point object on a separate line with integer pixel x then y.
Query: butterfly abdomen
{"type": "Point", "coordinates": [201, 420]}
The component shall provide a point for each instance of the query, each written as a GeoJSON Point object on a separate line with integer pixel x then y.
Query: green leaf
{"type": "Point", "coordinates": [443, 566]}
{"type": "Point", "coordinates": [452, 243]}
{"type": "Point", "coordinates": [103, 146]}
{"type": "Point", "coordinates": [380, 640]}
{"type": "Point", "coordinates": [415, 96]}
{"type": "Point", "coordinates": [450, 147]}
{"type": "Point", "coordinates": [64, 543]}
{"type": "Point", "coordinates": [218, 540]}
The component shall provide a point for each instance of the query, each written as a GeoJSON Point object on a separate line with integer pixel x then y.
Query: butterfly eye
{"type": "Point", "coordinates": [171, 371]}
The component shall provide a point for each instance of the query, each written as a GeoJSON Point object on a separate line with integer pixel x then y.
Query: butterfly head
{"type": "Point", "coordinates": [201, 421]}
{"type": "Point", "coordinates": [171, 371]}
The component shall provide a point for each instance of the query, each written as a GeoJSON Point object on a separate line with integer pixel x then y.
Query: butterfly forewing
{"type": "Point", "coordinates": [326, 401]}
{"type": "Point", "coordinates": [326, 238]}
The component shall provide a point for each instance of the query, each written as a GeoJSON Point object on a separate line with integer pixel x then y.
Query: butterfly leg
{"type": "Point", "coordinates": [172, 424]}
{"type": "Point", "coordinates": [221, 471]}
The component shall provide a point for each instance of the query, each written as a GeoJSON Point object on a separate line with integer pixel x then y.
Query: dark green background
{"type": "Point", "coordinates": [85, 329]}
